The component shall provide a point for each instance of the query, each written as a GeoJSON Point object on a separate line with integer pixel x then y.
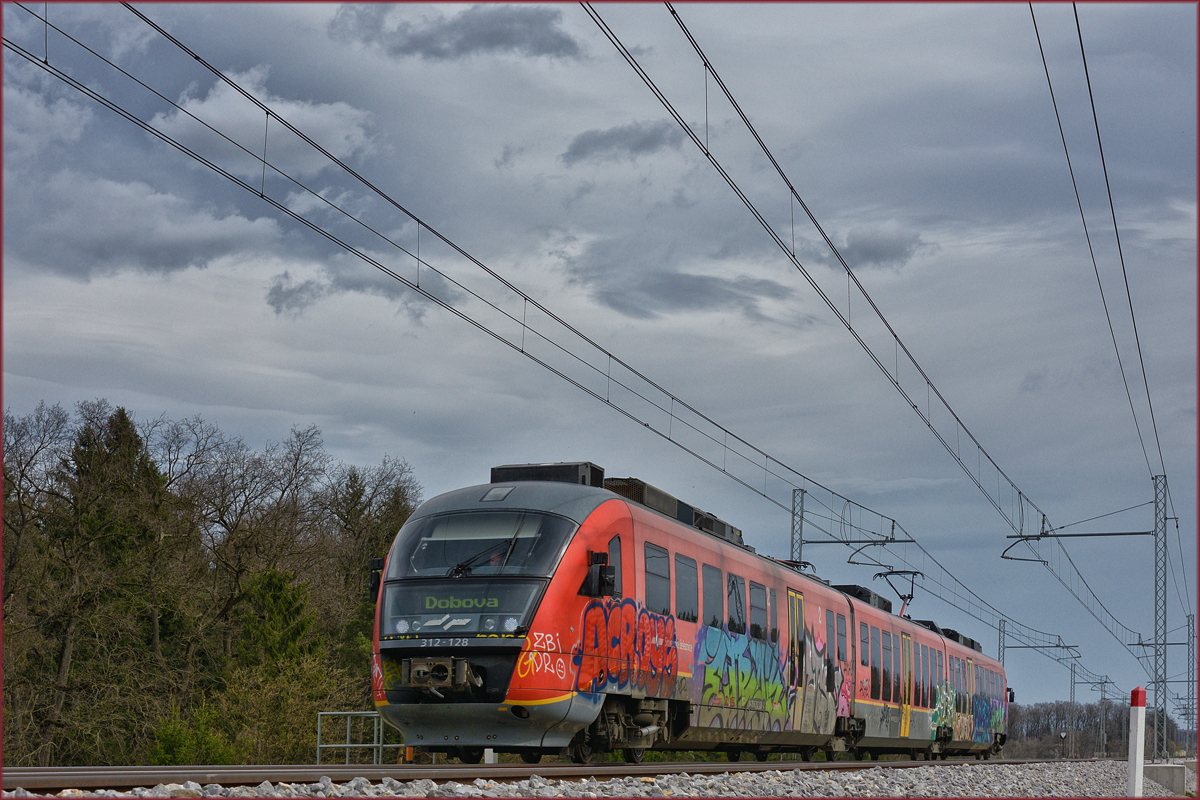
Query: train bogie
{"type": "Point", "coordinates": [535, 617]}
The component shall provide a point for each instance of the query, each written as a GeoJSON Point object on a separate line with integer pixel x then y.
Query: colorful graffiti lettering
{"type": "Point", "coordinates": [533, 662]}
{"type": "Point", "coordinates": [623, 647]}
{"type": "Point", "coordinates": [738, 682]}
{"type": "Point", "coordinates": [843, 709]}
{"type": "Point", "coordinates": [943, 710]}
{"type": "Point", "coordinates": [989, 718]}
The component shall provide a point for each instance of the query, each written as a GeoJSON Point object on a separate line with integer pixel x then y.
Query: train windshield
{"type": "Point", "coordinates": [479, 544]}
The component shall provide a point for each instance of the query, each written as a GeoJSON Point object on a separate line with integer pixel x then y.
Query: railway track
{"type": "Point", "coordinates": [45, 780]}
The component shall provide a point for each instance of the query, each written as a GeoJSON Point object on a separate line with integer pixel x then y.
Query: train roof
{"type": "Point", "coordinates": [571, 500]}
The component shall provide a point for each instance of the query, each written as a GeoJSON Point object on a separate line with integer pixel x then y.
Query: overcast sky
{"type": "Point", "coordinates": [922, 138]}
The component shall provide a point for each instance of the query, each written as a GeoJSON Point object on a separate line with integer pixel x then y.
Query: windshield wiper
{"type": "Point", "coordinates": [464, 567]}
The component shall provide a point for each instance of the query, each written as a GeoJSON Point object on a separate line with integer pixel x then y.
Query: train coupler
{"type": "Point", "coordinates": [434, 674]}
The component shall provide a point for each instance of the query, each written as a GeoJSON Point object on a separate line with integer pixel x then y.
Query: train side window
{"type": "Point", "coordinates": [758, 610]}
{"type": "Point", "coordinates": [658, 580]}
{"type": "Point", "coordinates": [614, 558]}
{"type": "Point", "coordinates": [925, 693]}
{"type": "Point", "coordinates": [714, 595]}
{"type": "Point", "coordinates": [915, 668]}
{"type": "Point", "coordinates": [940, 676]}
{"type": "Point", "coordinates": [773, 618]}
{"type": "Point", "coordinates": [864, 644]}
{"type": "Point", "coordinates": [897, 668]}
{"type": "Point", "coordinates": [887, 667]}
{"type": "Point", "coordinates": [842, 652]}
{"type": "Point", "coordinates": [687, 600]}
{"type": "Point", "coordinates": [830, 678]}
{"type": "Point", "coordinates": [737, 603]}
{"type": "Point", "coordinates": [875, 682]}
{"type": "Point", "coordinates": [960, 678]}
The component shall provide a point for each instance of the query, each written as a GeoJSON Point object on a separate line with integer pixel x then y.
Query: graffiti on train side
{"type": "Point", "coordinates": [820, 704]}
{"type": "Point", "coordinates": [624, 647]}
{"type": "Point", "coordinates": [943, 709]}
{"type": "Point", "coordinates": [738, 681]}
{"type": "Point", "coordinates": [752, 684]}
{"type": "Point", "coordinates": [989, 718]}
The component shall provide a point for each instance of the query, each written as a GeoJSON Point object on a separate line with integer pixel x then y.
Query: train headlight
{"type": "Point", "coordinates": [510, 624]}
{"type": "Point", "coordinates": [401, 626]}
{"type": "Point", "coordinates": [489, 623]}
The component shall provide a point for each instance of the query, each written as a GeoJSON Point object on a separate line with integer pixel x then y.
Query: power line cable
{"type": "Point", "coordinates": [1096, 269]}
{"type": "Point", "coordinates": [1116, 232]}
{"type": "Point", "coordinates": [1091, 250]}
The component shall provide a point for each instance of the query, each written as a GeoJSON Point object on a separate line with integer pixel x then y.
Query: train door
{"type": "Point", "coordinates": [795, 601]}
{"type": "Point", "coordinates": [906, 685]}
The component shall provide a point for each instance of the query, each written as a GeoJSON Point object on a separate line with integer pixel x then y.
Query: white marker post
{"type": "Point", "coordinates": [1137, 742]}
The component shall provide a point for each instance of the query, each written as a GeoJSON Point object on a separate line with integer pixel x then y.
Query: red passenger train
{"type": "Point", "coordinates": [551, 610]}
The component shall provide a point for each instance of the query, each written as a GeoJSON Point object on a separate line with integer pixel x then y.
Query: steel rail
{"type": "Point", "coordinates": [56, 779]}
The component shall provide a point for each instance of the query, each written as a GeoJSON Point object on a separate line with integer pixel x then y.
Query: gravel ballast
{"type": "Point", "coordinates": [1082, 779]}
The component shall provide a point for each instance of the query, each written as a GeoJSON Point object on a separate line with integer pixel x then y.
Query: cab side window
{"type": "Point", "coordinates": [614, 558]}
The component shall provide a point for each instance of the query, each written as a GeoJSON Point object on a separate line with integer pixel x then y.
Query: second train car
{"type": "Point", "coordinates": [553, 611]}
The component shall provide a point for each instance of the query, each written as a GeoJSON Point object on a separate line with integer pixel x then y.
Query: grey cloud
{"type": "Point", "coordinates": [624, 141]}
{"type": "Point", "coordinates": [635, 283]}
{"type": "Point", "coordinates": [880, 247]}
{"type": "Point", "coordinates": [83, 226]}
{"type": "Point", "coordinates": [506, 158]}
{"type": "Point", "coordinates": [526, 31]}
{"type": "Point", "coordinates": [1033, 381]}
{"type": "Point", "coordinates": [345, 275]}
{"type": "Point", "coordinates": [285, 295]}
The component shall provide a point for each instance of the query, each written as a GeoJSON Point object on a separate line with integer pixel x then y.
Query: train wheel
{"type": "Point", "coordinates": [531, 756]}
{"type": "Point", "coordinates": [581, 751]}
{"type": "Point", "coordinates": [734, 755]}
{"type": "Point", "coordinates": [762, 755]}
{"type": "Point", "coordinates": [806, 754]}
{"type": "Point", "coordinates": [470, 755]}
{"type": "Point", "coordinates": [634, 755]}
{"type": "Point", "coordinates": [858, 754]}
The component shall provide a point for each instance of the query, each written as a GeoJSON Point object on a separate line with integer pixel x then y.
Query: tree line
{"type": "Point", "coordinates": [172, 595]}
{"type": "Point", "coordinates": [1092, 729]}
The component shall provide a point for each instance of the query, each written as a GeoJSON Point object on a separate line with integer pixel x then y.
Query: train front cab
{"type": "Point", "coordinates": [476, 617]}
